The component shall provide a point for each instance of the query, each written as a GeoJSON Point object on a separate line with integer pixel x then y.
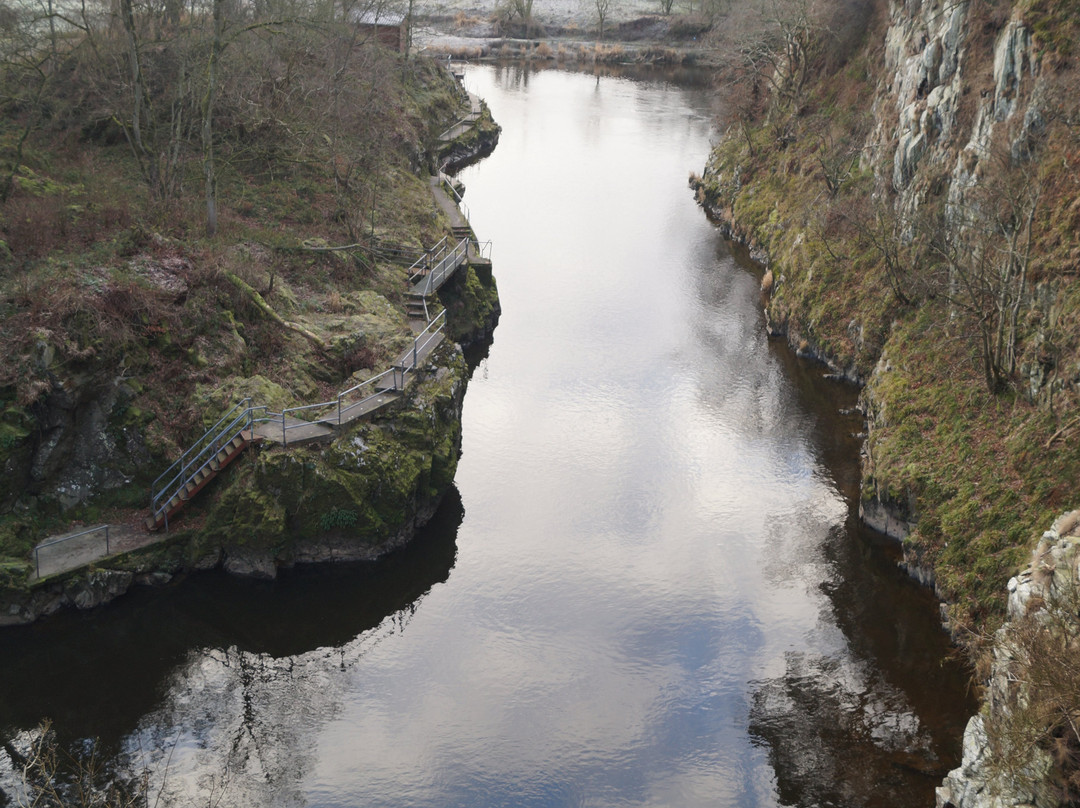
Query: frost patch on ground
{"type": "Point", "coordinates": [475, 16]}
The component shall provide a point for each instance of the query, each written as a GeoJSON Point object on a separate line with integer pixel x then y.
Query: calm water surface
{"type": "Point", "coordinates": [648, 588]}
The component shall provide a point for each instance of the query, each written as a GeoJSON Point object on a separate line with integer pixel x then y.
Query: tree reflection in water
{"type": "Point", "coordinates": [216, 707]}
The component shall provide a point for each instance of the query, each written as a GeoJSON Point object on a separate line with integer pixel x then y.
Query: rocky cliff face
{"type": "Point", "coordinates": [919, 210]}
{"type": "Point", "coordinates": [965, 93]}
{"type": "Point", "coordinates": [954, 104]}
{"type": "Point", "coordinates": [1017, 767]}
{"type": "Point", "coordinates": [931, 67]}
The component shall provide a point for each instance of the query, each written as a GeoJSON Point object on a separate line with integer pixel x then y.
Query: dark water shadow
{"type": "Point", "coordinates": [95, 674]}
{"type": "Point", "coordinates": [880, 724]}
{"type": "Point", "coordinates": [476, 353]}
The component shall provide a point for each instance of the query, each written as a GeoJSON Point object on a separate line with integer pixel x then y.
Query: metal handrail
{"type": "Point", "coordinates": [458, 200]}
{"type": "Point", "coordinates": [437, 325]}
{"type": "Point", "coordinates": [423, 264]}
{"type": "Point", "coordinates": [291, 410]}
{"type": "Point", "coordinates": [398, 251]}
{"type": "Point", "coordinates": [244, 403]}
{"type": "Point", "coordinates": [445, 266]}
{"type": "Point", "coordinates": [356, 387]}
{"type": "Point", "coordinates": [424, 338]}
{"type": "Point", "coordinates": [69, 537]}
{"type": "Point", "coordinates": [411, 359]}
{"type": "Point", "coordinates": [181, 479]}
{"type": "Point", "coordinates": [208, 450]}
{"type": "Point", "coordinates": [462, 122]}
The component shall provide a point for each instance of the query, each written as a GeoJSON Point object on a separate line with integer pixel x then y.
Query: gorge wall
{"type": "Point", "coordinates": [916, 200]}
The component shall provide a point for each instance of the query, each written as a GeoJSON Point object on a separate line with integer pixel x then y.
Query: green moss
{"type": "Point", "coordinates": [471, 304]}
{"type": "Point", "coordinates": [336, 519]}
{"type": "Point", "coordinates": [365, 486]}
{"type": "Point", "coordinates": [214, 403]}
{"type": "Point", "coordinates": [1054, 23]}
{"type": "Point", "coordinates": [11, 435]}
{"type": "Point", "coordinates": [18, 535]}
{"type": "Point", "coordinates": [14, 579]}
{"type": "Point", "coordinates": [243, 516]}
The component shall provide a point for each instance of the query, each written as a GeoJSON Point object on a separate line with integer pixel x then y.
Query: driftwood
{"type": "Point", "coordinates": [266, 309]}
{"type": "Point", "coordinates": [1061, 432]}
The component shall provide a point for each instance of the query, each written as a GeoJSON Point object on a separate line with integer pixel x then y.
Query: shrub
{"type": "Point", "coordinates": [337, 519]}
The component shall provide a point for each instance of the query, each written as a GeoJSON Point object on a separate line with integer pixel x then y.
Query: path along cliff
{"type": "Point", "coordinates": [908, 174]}
{"type": "Point", "coordinates": [348, 478]}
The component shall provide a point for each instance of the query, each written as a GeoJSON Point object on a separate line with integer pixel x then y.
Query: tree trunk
{"type": "Point", "coordinates": [209, 169]}
{"type": "Point", "coordinates": [140, 113]}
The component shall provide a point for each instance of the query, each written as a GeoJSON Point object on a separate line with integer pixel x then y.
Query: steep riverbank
{"type": "Point", "coordinates": [281, 318]}
{"type": "Point", "coordinates": [917, 224]}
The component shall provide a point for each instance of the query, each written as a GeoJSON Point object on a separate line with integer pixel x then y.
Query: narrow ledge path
{"type": "Point", "coordinates": [80, 548]}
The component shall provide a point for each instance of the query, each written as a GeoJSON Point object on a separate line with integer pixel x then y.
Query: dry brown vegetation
{"type": "Point", "coordinates": [111, 288]}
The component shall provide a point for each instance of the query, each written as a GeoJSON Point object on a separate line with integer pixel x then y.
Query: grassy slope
{"type": "Point", "coordinates": [983, 475]}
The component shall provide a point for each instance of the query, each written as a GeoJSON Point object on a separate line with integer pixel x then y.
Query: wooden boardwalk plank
{"type": "Point", "coordinates": [293, 432]}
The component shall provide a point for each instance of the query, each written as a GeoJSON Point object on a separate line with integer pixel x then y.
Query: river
{"type": "Point", "coordinates": [649, 587]}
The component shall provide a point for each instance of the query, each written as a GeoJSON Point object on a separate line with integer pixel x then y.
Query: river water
{"type": "Point", "coordinates": [649, 587]}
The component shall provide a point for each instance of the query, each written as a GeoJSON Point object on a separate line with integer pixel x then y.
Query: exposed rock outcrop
{"type": "Point", "coordinates": [1016, 770]}
{"type": "Point", "coordinates": [85, 590]}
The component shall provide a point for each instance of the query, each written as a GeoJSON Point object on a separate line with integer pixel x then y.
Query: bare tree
{"type": "Point", "coordinates": [985, 247]}
{"type": "Point", "coordinates": [873, 223]}
{"type": "Point", "coordinates": [602, 7]}
{"type": "Point", "coordinates": [53, 777]}
{"type": "Point", "coordinates": [520, 10]}
{"type": "Point", "coordinates": [780, 53]}
{"type": "Point", "coordinates": [29, 58]}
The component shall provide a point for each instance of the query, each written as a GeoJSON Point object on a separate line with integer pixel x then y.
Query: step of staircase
{"type": "Point", "coordinates": [226, 454]}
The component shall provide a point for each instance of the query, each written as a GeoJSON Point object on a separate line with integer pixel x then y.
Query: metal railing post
{"type": "Point", "coordinates": [37, 561]}
{"type": "Point", "coordinates": [339, 409]}
{"type": "Point", "coordinates": [107, 551]}
{"type": "Point", "coordinates": [284, 434]}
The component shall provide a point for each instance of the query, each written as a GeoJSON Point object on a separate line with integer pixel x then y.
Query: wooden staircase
{"type": "Point", "coordinates": [197, 481]}
{"type": "Point", "coordinates": [416, 307]}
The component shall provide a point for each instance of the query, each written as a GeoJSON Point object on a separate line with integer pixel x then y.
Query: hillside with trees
{"type": "Point", "coordinates": [201, 203]}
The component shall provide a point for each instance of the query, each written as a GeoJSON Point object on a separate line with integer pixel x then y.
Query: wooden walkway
{"type": "Point", "coordinates": [465, 124]}
{"type": "Point", "coordinates": [71, 551]}
{"type": "Point", "coordinates": [295, 432]}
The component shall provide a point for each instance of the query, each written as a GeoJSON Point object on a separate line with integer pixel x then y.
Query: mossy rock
{"type": "Point", "coordinates": [17, 538]}
{"type": "Point", "coordinates": [383, 334]}
{"type": "Point", "coordinates": [366, 487]}
{"type": "Point", "coordinates": [261, 390]}
{"type": "Point", "coordinates": [243, 517]}
{"type": "Point", "coordinates": [14, 579]}
{"type": "Point", "coordinates": [472, 306]}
